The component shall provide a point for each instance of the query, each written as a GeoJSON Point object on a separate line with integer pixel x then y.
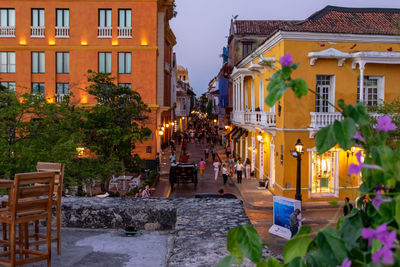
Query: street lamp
{"type": "Point", "coordinates": [161, 133]}
{"type": "Point", "coordinates": [215, 121]}
{"type": "Point", "coordinates": [259, 137]}
{"type": "Point", "coordinates": [297, 154]}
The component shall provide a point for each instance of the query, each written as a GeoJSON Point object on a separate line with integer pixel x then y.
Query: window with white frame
{"type": "Point", "coordinates": [7, 62]}
{"type": "Point", "coordinates": [128, 85]}
{"type": "Point", "coordinates": [37, 19]}
{"type": "Point", "coordinates": [38, 88]}
{"type": "Point", "coordinates": [325, 89]}
{"type": "Point", "coordinates": [105, 62]}
{"type": "Point", "coordinates": [62, 62]}
{"type": "Point", "coordinates": [62, 18]}
{"type": "Point", "coordinates": [324, 172]}
{"type": "Point", "coordinates": [9, 85]}
{"type": "Point", "coordinates": [7, 17]}
{"type": "Point", "coordinates": [38, 62]}
{"type": "Point", "coordinates": [373, 92]}
{"type": "Point", "coordinates": [125, 18]}
{"type": "Point", "coordinates": [124, 62]}
{"type": "Point", "coordinates": [105, 18]}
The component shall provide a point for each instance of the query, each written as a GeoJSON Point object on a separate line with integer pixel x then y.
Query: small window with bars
{"type": "Point", "coordinates": [38, 88]}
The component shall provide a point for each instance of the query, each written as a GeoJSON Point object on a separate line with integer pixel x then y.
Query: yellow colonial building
{"type": "Point", "coordinates": [345, 53]}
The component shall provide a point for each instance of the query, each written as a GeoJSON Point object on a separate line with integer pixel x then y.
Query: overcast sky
{"type": "Point", "coordinates": [201, 27]}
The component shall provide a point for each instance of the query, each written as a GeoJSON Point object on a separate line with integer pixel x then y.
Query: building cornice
{"type": "Point", "coordinates": [318, 37]}
{"type": "Point", "coordinates": [77, 47]}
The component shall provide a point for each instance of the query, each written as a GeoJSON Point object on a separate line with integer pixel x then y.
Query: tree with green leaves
{"type": "Point", "coordinates": [115, 123]}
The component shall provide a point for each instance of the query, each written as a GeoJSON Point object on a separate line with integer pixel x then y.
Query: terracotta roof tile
{"type": "Point", "coordinates": [259, 27]}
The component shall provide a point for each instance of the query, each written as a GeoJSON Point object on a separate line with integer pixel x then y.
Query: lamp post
{"type": "Point", "coordinates": [297, 154]}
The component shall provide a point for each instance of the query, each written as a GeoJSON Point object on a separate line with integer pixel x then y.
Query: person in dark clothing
{"type": "Point", "coordinates": [347, 206]}
{"type": "Point", "coordinates": [294, 222]}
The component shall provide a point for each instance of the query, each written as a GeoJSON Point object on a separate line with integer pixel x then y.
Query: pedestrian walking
{"type": "Point", "coordinates": [231, 163]}
{"type": "Point", "coordinates": [185, 158]}
{"type": "Point", "coordinates": [347, 206]}
{"type": "Point", "coordinates": [172, 157]}
{"type": "Point", "coordinates": [213, 152]}
{"type": "Point", "coordinates": [239, 171]}
{"type": "Point", "coordinates": [228, 151]}
{"type": "Point", "coordinates": [224, 173]}
{"type": "Point", "coordinates": [216, 169]}
{"type": "Point", "coordinates": [247, 168]}
{"type": "Point", "coordinates": [202, 165]}
{"type": "Point", "coordinates": [206, 152]}
{"type": "Point", "coordinates": [294, 222]}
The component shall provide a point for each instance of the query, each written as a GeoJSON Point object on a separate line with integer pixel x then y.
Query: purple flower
{"type": "Point", "coordinates": [346, 263]}
{"type": "Point", "coordinates": [286, 60]}
{"type": "Point", "coordinates": [356, 168]}
{"type": "Point", "coordinates": [385, 124]}
{"type": "Point", "coordinates": [359, 137]}
{"type": "Point", "coordinates": [384, 254]}
{"type": "Point", "coordinates": [378, 200]}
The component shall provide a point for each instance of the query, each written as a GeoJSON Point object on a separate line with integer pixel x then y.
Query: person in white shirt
{"type": "Point", "coordinates": [239, 171]}
{"type": "Point", "coordinates": [224, 173]}
{"type": "Point", "coordinates": [216, 168]}
{"type": "Point", "coordinates": [247, 169]}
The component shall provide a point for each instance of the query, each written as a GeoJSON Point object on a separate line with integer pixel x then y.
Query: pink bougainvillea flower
{"type": "Point", "coordinates": [378, 200]}
{"type": "Point", "coordinates": [286, 60]}
{"type": "Point", "coordinates": [359, 137]}
{"type": "Point", "coordinates": [385, 124]}
{"type": "Point", "coordinates": [356, 168]}
{"type": "Point", "coordinates": [346, 263]}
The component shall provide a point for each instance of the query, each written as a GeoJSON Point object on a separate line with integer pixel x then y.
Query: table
{"type": "Point", "coordinates": [124, 178]}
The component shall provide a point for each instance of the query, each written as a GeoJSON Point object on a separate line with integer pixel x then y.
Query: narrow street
{"type": "Point", "coordinates": [206, 184]}
{"type": "Point", "coordinates": [261, 219]}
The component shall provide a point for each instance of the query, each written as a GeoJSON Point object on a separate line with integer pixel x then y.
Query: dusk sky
{"type": "Point", "coordinates": [202, 26]}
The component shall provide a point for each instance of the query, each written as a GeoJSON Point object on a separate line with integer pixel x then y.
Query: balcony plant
{"type": "Point", "coordinates": [369, 235]}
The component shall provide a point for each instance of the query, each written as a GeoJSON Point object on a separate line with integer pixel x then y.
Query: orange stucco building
{"type": "Point", "coordinates": [48, 46]}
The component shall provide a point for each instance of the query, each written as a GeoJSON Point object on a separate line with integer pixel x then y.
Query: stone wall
{"type": "Point", "coordinates": [198, 226]}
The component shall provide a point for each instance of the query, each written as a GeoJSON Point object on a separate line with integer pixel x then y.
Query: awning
{"type": "Point", "coordinates": [232, 131]}
{"type": "Point", "coordinates": [242, 133]}
{"type": "Point", "coordinates": [239, 131]}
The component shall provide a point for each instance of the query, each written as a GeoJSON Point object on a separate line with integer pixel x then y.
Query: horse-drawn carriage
{"type": "Point", "coordinates": [183, 173]}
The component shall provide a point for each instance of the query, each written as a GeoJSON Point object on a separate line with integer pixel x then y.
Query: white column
{"type": "Point", "coordinates": [241, 148]}
{"type": "Point", "coordinates": [261, 160]}
{"type": "Point", "coordinates": [241, 92]}
{"type": "Point", "coordinates": [362, 67]}
{"type": "Point", "coordinates": [246, 144]}
{"type": "Point", "coordinates": [253, 151]}
{"type": "Point", "coordinates": [253, 101]}
{"type": "Point", "coordinates": [236, 94]}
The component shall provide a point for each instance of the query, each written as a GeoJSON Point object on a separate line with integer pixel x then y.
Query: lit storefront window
{"type": "Point", "coordinates": [324, 172]}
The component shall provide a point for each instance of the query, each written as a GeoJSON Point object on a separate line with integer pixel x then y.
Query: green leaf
{"type": "Point", "coordinates": [397, 216]}
{"type": "Point", "coordinates": [376, 245]}
{"type": "Point", "coordinates": [233, 245]}
{"type": "Point", "coordinates": [286, 71]}
{"type": "Point", "coordinates": [262, 263]}
{"type": "Point", "coordinates": [297, 262]}
{"type": "Point", "coordinates": [272, 262]}
{"type": "Point", "coordinates": [331, 245]}
{"type": "Point", "coordinates": [226, 262]}
{"type": "Point", "coordinates": [249, 242]}
{"type": "Point", "coordinates": [333, 203]}
{"type": "Point", "coordinates": [299, 87]}
{"type": "Point", "coordinates": [325, 139]}
{"type": "Point", "coordinates": [297, 246]}
{"type": "Point", "coordinates": [276, 89]}
{"type": "Point", "coordinates": [341, 104]}
{"type": "Point", "coordinates": [344, 131]}
{"type": "Point", "coordinates": [350, 229]}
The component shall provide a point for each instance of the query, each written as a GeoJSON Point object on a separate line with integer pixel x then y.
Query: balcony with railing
{"type": "Point", "coordinates": [7, 31]}
{"type": "Point", "coordinates": [321, 119]}
{"type": "Point", "coordinates": [37, 31]}
{"type": "Point", "coordinates": [104, 32]}
{"type": "Point", "coordinates": [124, 32]}
{"type": "Point", "coordinates": [60, 98]}
{"type": "Point", "coordinates": [62, 32]}
{"type": "Point", "coordinates": [257, 118]}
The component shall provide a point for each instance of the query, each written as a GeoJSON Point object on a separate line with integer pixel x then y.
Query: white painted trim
{"type": "Point", "coordinates": [318, 37]}
{"type": "Point", "coordinates": [289, 189]}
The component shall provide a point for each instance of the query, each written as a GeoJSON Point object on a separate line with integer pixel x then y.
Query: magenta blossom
{"type": "Point", "coordinates": [359, 137]}
{"type": "Point", "coordinates": [356, 168]}
{"type": "Point", "coordinates": [385, 124]}
{"type": "Point", "coordinates": [346, 263]}
{"type": "Point", "coordinates": [384, 255]}
{"type": "Point", "coordinates": [378, 200]}
{"type": "Point", "coordinates": [286, 60]}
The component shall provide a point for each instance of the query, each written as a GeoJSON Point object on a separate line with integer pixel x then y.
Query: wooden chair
{"type": "Point", "coordinates": [31, 200]}
{"type": "Point", "coordinates": [58, 168]}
